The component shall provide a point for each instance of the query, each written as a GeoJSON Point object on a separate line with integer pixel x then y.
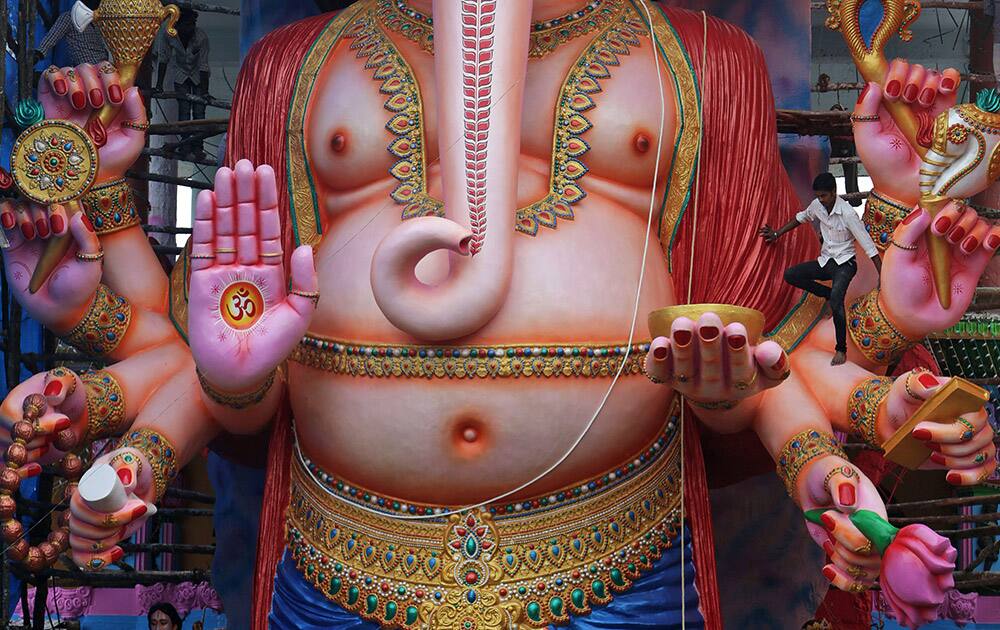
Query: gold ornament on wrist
{"type": "Point", "coordinates": [103, 326]}
{"type": "Point", "coordinates": [863, 407]}
{"type": "Point", "coordinates": [240, 400]}
{"type": "Point", "coordinates": [105, 405]}
{"type": "Point", "coordinates": [802, 448]}
{"type": "Point", "coordinates": [159, 452]}
{"type": "Point", "coordinates": [111, 207]}
{"type": "Point", "coordinates": [882, 215]}
{"type": "Point", "coordinates": [872, 332]}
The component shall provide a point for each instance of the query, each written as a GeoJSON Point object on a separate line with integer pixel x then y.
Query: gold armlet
{"type": "Point", "coordinates": [882, 215]}
{"type": "Point", "coordinates": [801, 449]}
{"type": "Point", "coordinates": [103, 325]}
{"type": "Point", "coordinates": [237, 401]}
{"type": "Point", "coordinates": [863, 406]}
{"type": "Point", "coordinates": [873, 333]}
{"type": "Point", "coordinates": [105, 405]}
{"type": "Point", "coordinates": [110, 207]}
{"type": "Point", "coordinates": [159, 452]}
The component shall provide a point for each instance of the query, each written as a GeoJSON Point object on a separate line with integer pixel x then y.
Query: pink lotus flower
{"type": "Point", "coordinates": [916, 574]}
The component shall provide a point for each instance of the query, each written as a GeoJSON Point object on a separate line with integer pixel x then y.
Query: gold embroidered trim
{"type": "Point", "coordinates": [105, 405]}
{"type": "Point", "coordinates": [103, 326]}
{"type": "Point", "coordinates": [110, 207]}
{"type": "Point", "coordinates": [536, 569]}
{"type": "Point", "coordinates": [503, 361]}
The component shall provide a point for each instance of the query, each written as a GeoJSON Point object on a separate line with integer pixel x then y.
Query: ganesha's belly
{"type": "Point", "coordinates": [461, 442]}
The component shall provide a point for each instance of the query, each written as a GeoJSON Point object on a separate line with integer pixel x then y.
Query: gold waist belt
{"type": "Point", "coordinates": [387, 360]}
{"type": "Point", "coordinates": [487, 568]}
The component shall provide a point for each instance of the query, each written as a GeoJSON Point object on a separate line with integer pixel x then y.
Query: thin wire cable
{"type": "Point", "coordinates": [690, 289]}
{"type": "Point", "coordinates": [614, 381]}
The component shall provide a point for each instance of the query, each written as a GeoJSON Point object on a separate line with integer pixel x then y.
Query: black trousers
{"type": "Point", "coordinates": [188, 110]}
{"type": "Point", "coordinates": [805, 277]}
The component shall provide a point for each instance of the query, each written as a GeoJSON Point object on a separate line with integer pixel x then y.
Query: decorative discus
{"type": "Point", "coordinates": [53, 161]}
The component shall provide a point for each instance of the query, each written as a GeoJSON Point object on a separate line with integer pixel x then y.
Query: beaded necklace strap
{"type": "Point", "coordinates": [500, 361]}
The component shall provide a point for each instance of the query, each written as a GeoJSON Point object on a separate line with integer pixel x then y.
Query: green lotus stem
{"type": "Point", "coordinates": [874, 527]}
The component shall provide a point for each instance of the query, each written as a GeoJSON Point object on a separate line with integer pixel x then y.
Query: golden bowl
{"type": "Point", "coordinates": [660, 320]}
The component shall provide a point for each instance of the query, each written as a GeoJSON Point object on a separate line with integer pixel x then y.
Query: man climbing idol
{"type": "Point", "coordinates": [840, 226]}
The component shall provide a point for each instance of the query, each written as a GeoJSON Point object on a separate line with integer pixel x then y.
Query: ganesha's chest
{"type": "Point", "coordinates": [355, 126]}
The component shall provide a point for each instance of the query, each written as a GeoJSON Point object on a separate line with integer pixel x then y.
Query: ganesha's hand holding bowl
{"type": "Point", "coordinates": [243, 322]}
{"type": "Point", "coordinates": [712, 354]}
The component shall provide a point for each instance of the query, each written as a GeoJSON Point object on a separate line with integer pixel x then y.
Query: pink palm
{"type": "Point", "coordinates": [242, 322]}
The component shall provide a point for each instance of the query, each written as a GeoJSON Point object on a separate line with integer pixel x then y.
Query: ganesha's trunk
{"type": "Point", "coordinates": [480, 59]}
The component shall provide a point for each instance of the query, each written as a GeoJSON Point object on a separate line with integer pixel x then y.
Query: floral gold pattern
{"type": "Point", "coordinates": [383, 361]}
{"type": "Point", "coordinates": [534, 568]}
{"type": "Point", "coordinates": [103, 326]}
{"type": "Point", "coordinates": [872, 332]}
{"type": "Point", "coordinates": [105, 405]}
{"type": "Point", "coordinates": [53, 161]}
{"type": "Point", "coordinates": [863, 407]}
{"type": "Point", "coordinates": [159, 452]}
{"type": "Point", "coordinates": [801, 449]}
{"type": "Point", "coordinates": [111, 207]}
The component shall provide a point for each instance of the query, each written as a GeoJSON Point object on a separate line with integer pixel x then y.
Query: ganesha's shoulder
{"type": "Point", "coordinates": [278, 42]}
{"type": "Point", "coordinates": [694, 25]}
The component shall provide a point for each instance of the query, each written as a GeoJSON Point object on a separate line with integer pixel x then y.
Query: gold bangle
{"type": "Point", "coordinates": [873, 333]}
{"type": "Point", "coordinates": [237, 401]}
{"type": "Point", "coordinates": [881, 217]}
{"type": "Point", "coordinates": [105, 405]}
{"type": "Point", "coordinates": [90, 257]}
{"type": "Point", "coordinates": [863, 406]}
{"type": "Point", "coordinates": [110, 207]}
{"type": "Point", "coordinates": [158, 451]}
{"type": "Point", "coordinates": [103, 325]}
{"type": "Point", "coordinates": [801, 449]}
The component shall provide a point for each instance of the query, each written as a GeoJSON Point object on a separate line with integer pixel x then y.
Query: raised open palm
{"type": "Point", "coordinates": [242, 323]}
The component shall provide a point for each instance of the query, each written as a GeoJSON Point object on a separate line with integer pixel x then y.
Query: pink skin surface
{"type": "Point", "coordinates": [916, 573]}
{"type": "Point", "coordinates": [241, 217]}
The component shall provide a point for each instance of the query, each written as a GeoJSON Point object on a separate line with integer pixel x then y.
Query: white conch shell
{"type": "Point", "coordinates": [963, 159]}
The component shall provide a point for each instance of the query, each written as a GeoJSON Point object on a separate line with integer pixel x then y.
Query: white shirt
{"type": "Point", "coordinates": [839, 228]}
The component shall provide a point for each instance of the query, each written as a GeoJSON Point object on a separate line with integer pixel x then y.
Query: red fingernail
{"type": "Point", "coordinates": [954, 478]}
{"type": "Point", "coordinates": [115, 94]}
{"type": "Point", "coordinates": [87, 223]}
{"type": "Point", "coordinates": [921, 434]}
{"type": "Point", "coordinates": [864, 92]}
{"type": "Point", "coordinates": [43, 228]}
{"type": "Point", "coordinates": [948, 83]}
{"type": "Point", "coordinates": [117, 554]}
{"type": "Point", "coordinates": [139, 511]}
{"type": "Point", "coordinates": [993, 241]}
{"type": "Point", "coordinates": [956, 235]}
{"type": "Point", "coordinates": [934, 446]}
{"type": "Point", "coordinates": [28, 230]}
{"type": "Point", "coordinates": [54, 388]}
{"type": "Point", "coordinates": [926, 97]}
{"type": "Point", "coordinates": [120, 534]}
{"type": "Point", "coordinates": [79, 100]}
{"type": "Point", "coordinates": [938, 458]}
{"type": "Point", "coordinates": [927, 380]}
{"type": "Point", "coordinates": [736, 342]}
{"type": "Point", "coordinates": [828, 548]}
{"type": "Point", "coordinates": [125, 474]}
{"type": "Point", "coordinates": [96, 98]}
{"type": "Point", "coordinates": [910, 217]}
{"type": "Point", "coordinates": [63, 424]}
{"type": "Point", "coordinates": [828, 522]}
{"type": "Point", "coordinates": [970, 244]}
{"type": "Point", "coordinates": [942, 224]}
{"type": "Point", "coordinates": [846, 493]}
{"type": "Point", "coordinates": [892, 88]}
{"type": "Point", "coordinates": [709, 333]}
{"type": "Point", "coordinates": [59, 86]}
{"type": "Point", "coordinates": [7, 218]}
{"type": "Point", "coordinates": [682, 337]}
{"type": "Point", "coordinates": [660, 353]}
{"type": "Point", "coordinates": [780, 363]}
{"type": "Point", "coordinates": [829, 573]}
{"type": "Point", "coordinates": [57, 223]}
{"type": "Point", "coordinates": [32, 469]}
{"type": "Point", "coordinates": [910, 92]}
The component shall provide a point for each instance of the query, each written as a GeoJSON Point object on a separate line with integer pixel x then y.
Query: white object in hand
{"type": "Point", "coordinates": [102, 490]}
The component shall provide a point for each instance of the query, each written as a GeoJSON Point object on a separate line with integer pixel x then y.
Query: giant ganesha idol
{"type": "Point", "coordinates": [422, 276]}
